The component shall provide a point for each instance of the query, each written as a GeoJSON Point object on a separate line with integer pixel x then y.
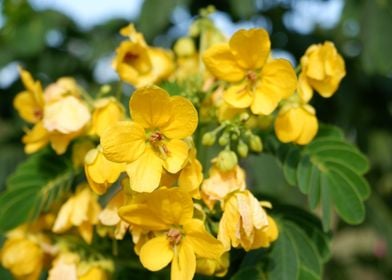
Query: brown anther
{"type": "Point", "coordinates": [252, 76]}
{"type": "Point", "coordinates": [38, 113]}
{"type": "Point", "coordinates": [174, 236]}
{"type": "Point", "coordinates": [156, 137]}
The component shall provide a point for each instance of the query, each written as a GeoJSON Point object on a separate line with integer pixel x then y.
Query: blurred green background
{"type": "Point", "coordinates": [55, 38]}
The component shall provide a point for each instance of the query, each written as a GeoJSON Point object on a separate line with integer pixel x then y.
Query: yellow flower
{"type": "Point", "coordinates": [153, 140]}
{"type": "Point", "coordinates": [61, 88]}
{"type": "Point", "coordinates": [100, 172]}
{"type": "Point", "coordinates": [109, 215]}
{"type": "Point", "coordinates": [296, 123]}
{"type": "Point", "coordinates": [221, 183]}
{"type": "Point", "coordinates": [22, 257]}
{"type": "Point", "coordinates": [179, 238]}
{"type": "Point", "coordinates": [94, 273]}
{"type": "Point", "coordinates": [245, 224]}
{"type": "Point", "coordinates": [80, 210]}
{"type": "Point", "coordinates": [139, 64]}
{"type": "Point", "coordinates": [30, 103]}
{"type": "Point", "coordinates": [66, 115]}
{"type": "Point", "coordinates": [322, 70]}
{"type": "Point", "coordinates": [259, 83]}
{"type": "Point", "coordinates": [107, 111]}
{"type": "Point", "coordinates": [216, 267]}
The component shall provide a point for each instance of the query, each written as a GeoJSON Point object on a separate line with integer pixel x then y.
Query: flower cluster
{"type": "Point", "coordinates": [147, 166]}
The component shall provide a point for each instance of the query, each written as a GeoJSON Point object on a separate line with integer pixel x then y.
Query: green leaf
{"type": "Point", "coordinates": [298, 252]}
{"type": "Point", "coordinates": [284, 256]}
{"type": "Point", "coordinates": [38, 182]}
{"type": "Point", "coordinates": [330, 170]}
{"type": "Point", "coordinates": [248, 273]}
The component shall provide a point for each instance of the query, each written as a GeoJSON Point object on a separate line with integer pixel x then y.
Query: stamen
{"type": "Point", "coordinates": [174, 236]}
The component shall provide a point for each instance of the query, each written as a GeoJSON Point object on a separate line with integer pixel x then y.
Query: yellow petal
{"type": "Point", "coordinates": [176, 156]}
{"type": "Point", "coordinates": [250, 47]}
{"type": "Point", "coordinates": [305, 91]}
{"type": "Point", "coordinates": [60, 142]}
{"type": "Point", "coordinates": [191, 176]}
{"type": "Point", "coordinates": [288, 125]}
{"type": "Point", "coordinates": [63, 222]}
{"type": "Point", "coordinates": [109, 216]}
{"type": "Point", "coordinates": [34, 87]}
{"type": "Point", "coordinates": [102, 171]}
{"type": "Point", "coordinates": [36, 138]}
{"type": "Point", "coordinates": [66, 115]}
{"type": "Point", "coordinates": [107, 112]}
{"type": "Point", "coordinates": [238, 96]}
{"type": "Point", "coordinates": [222, 64]}
{"type": "Point", "coordinates": [145, 172]}
{"type": "Point", "coordinates": [123, 142]}
{"type": "Point", "coordinates": [173, 205]}
{"type": "Point", "coordinates": [150, 107]}
{"type": "Point", "coordinates": [184, 263]}
{"type": "Point", "coordinates": [278, 81]}
{"type": "Point", "coordinates": [309, 128]}
{"type": "Point", "coordinates": [229, 224]}
{"type": "Point", "coordinates": [263, 237]}
{"type": "Point", "coordinates": [27, 107]}
{"type": "Point", "coordinates": [86, 232]}
{"type": "Point", "coordinates": [156, 253]}
{"type": "Point", "coordinates": [183, 119]}
{"type": "Point", "coordinates": [203, 243]}
{"type": "Point", "coordinates": [142, 216]}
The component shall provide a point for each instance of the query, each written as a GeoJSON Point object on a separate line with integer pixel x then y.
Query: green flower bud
{"type": "Point", "coordinates": [255, 143]}
{"type": "Point", "coordinates": [224, 139]}
{"type": "Point", "coordinates": [226, 160]}
{"type": "Point", "coordinates": [208, 139]}
{"type": "Point", "coordinates": [242, 149]}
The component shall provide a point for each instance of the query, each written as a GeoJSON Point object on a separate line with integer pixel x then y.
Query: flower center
{"type": "Point", "coordinates": [174, 236]}
{"type": "Point", "coordinates": [38, 113]}
{"type": "Point", "coordinates": [251, 76]}
{"type": "Point", "coordinates": [156, 140]}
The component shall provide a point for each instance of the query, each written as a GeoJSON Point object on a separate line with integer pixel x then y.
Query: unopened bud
{"type": "Point", "coordinates": [226, 160]}
{"type": "Point", "coordinates": [255, 143]}
{"type": "Point", "coordinates": [242, 149]}
{"type": "Point", "coordinates": [224, 139]}
{"type": "Point", "coordinates": [208, 139]}
{"type": "Point", "coordinates": [185, 47]}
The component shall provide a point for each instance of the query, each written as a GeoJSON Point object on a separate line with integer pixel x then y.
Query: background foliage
{"type": "Point", "coordinates": [50, 45]}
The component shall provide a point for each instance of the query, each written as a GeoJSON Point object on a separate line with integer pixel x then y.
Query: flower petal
{"type": "Point", "coordinates": [238, 96]}
{"type": "Point", "coordinates": [150, 107]}
{"type": "Point", "coordinates": [173, 205]}
{"type": "Point", "coordinates": [177, 155]}
{"type": "Point", "coordinates": [309, 128]}
{"type": "Point", "coordinates": [140, 215]}
{"type": "Point", "coordinates": [184, 263]}
{"type": "Point", "coordinates": [145, 172]}
{"type": "Point", "coordinates": [27, 107]}
{"type": "Point", "coordinates": [203, 243]}
{"type": "Point", "coordinates": [156, 253]}
{"type": "Point", "coordinates": [250, 47]}
{"type": "Point", "coordinates": [123, 142]}
{"type": "Point", "coordinates": [278, 81]}
{"type": "Point", "coordinates": [222, 64]}
{"type": "Point", "coordinates": [288, 125]}
{"type": "Point", "coordinates": [183, 119]}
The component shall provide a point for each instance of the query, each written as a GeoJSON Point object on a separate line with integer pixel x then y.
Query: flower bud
{"type": "Point", "coordinates": [255, 143]}
{"type": "Point", "coordinates": [226, 160]}
{"type": "Point", "coordinates": [208, 139]}
{"type": "Point", "coordinates": [242, 149]}
{"type": "Point", "coordinates": [224, 139]}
